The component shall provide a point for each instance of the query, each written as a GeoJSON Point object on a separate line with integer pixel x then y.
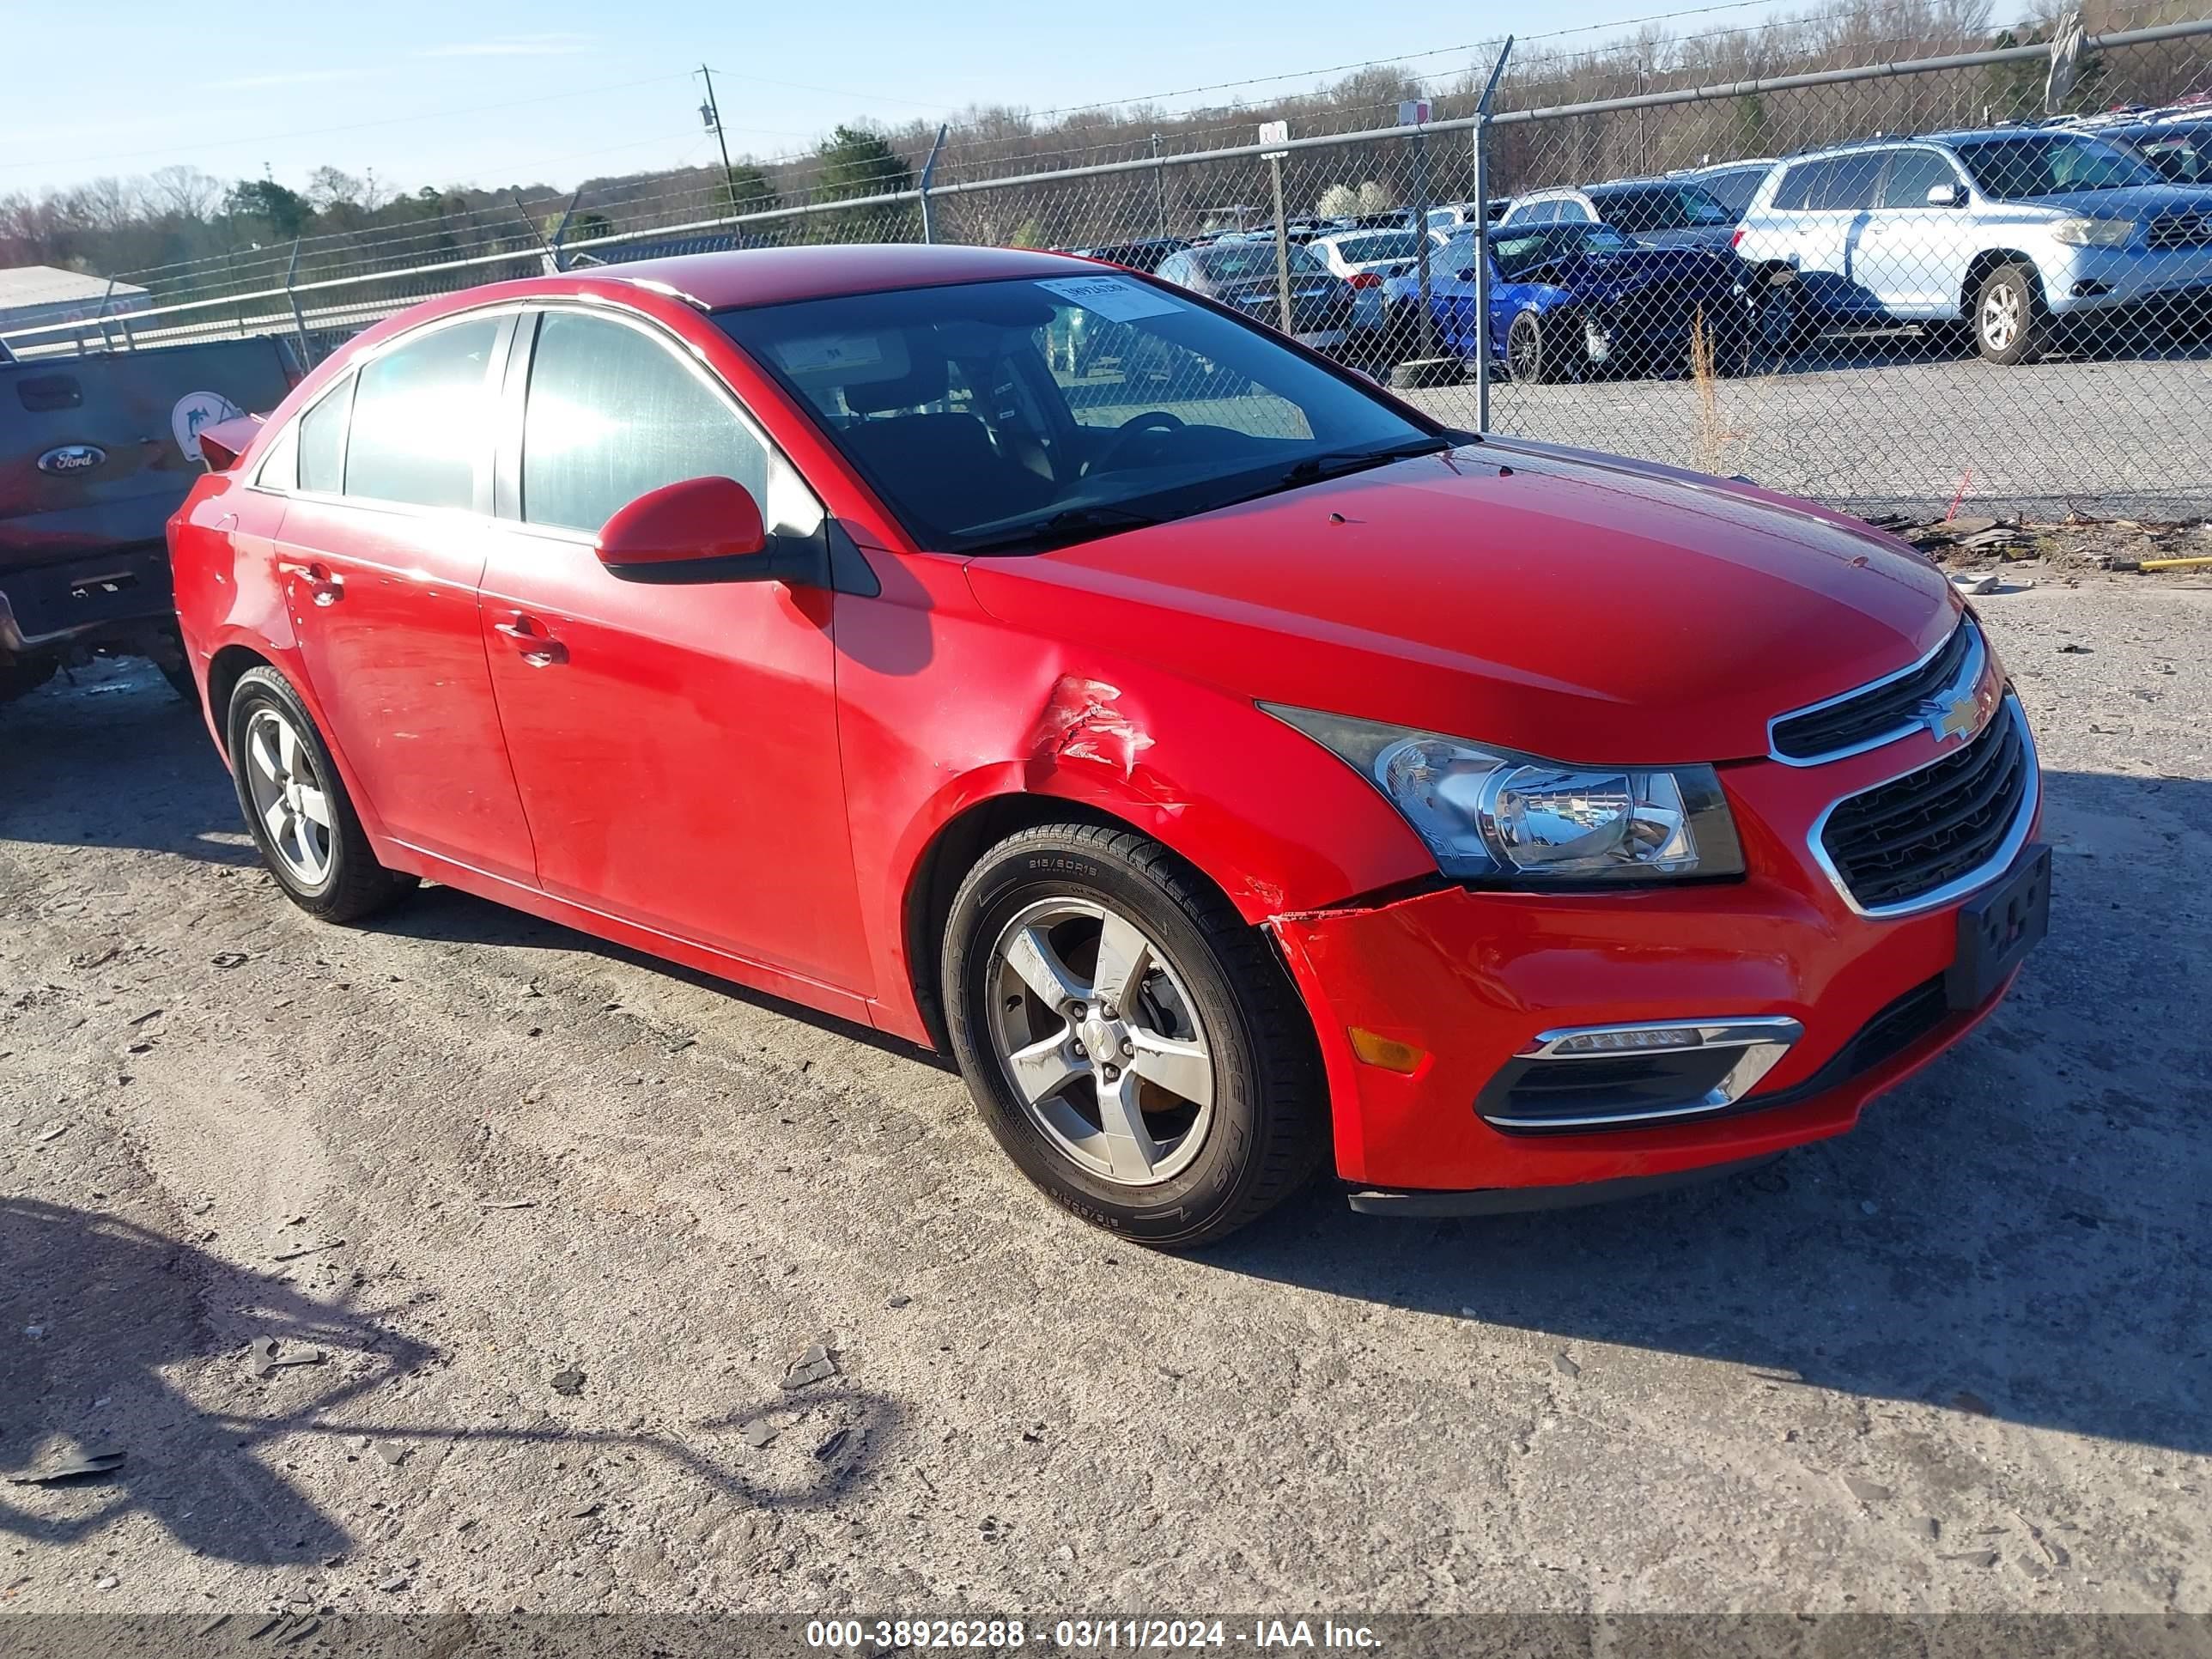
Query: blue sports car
{"type": "Point", "coordinates": [1569, 301]}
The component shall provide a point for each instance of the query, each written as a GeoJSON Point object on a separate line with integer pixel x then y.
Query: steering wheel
{"type": "Point", "coordinates": [1133, 431]}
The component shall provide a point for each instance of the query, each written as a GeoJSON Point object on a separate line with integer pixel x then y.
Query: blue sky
{"type": "Point", "coordinates": [498, 92]}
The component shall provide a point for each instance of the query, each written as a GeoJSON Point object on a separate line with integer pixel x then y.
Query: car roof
{"type": "Point", "coordinates": [773, 275]}
{"type": "Point", "coordinates": [2152, 128]}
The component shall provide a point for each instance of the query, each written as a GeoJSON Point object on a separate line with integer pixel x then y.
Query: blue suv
{"type": "Point", "coordinates": [2016, 232]}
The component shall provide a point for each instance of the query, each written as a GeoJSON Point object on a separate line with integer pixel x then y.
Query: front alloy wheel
{"type": "Point", "coordinates": [1107, 1056]}
{"type": "Point", "coordinates": [2009, 321]}
{"type": "Point", "coordinates": [1525, 348]}
{"type": "Point", "coordinates": [1133, 1044]}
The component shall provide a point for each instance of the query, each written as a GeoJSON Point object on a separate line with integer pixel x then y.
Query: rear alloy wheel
{"type": "Point", "coordinates": [2009, 325]}
{"type": "Point", "coordinates": [1133, 1045]}
{"type": "Point", "coordinates": [1528, 352]}
{"type": "Point", "coordinates": [296, 807]}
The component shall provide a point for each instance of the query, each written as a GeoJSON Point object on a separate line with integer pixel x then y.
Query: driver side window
{"type": "Point", "coordinates": [610, 414]}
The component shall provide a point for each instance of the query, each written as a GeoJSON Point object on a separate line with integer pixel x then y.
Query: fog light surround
{"type": "Point", "coordinates": [1694, 1066]}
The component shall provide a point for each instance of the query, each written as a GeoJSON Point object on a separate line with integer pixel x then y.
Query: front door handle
{"type": "Point", "coordinates": [540, 648]}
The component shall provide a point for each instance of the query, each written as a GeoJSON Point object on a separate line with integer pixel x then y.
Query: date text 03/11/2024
{"type": "Point", "coordinates": [1087, 1635]}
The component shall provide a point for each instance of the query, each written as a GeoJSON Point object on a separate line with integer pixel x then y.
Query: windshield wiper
{"type": "Point", "coordinates": [1315, 468]}
{"type": "Point", "coordinates": [1064, 528]}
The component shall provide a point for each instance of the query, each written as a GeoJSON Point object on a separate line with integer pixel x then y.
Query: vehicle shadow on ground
{"type": "Point", "coordinates": [111, 756]}
{"type": "Point", "coordinates": [448, 915]}
{"type": "Point", "coordinates": [119, 1336]}
{"type": "Point", "coordinates": [2017, 1231]}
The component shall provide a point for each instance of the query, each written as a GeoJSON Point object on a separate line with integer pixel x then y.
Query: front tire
{"type": "Point", "coordinates": [1131, 1044]}
{"type": "Point", "coordinates": [1528, 351]}
{"type": "Point", "coordinates": [296, 807]}
{"type": "Point", "coordinates": [2010, 325]}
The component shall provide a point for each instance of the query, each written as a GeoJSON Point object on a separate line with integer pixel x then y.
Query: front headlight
{"type": "Point", "coordinates": [2085, 231]}
{"type": "Point", "coordinates": [1492, 813]}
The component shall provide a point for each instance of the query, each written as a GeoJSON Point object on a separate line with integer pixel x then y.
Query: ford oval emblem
{"type": "Point", "coordinates": [72, 457]}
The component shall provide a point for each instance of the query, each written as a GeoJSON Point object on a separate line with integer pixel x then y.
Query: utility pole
{"type": "Point", "coordinates": [711, 113]}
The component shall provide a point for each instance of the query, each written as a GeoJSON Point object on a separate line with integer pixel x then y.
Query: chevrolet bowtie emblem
{"type": "Point", "coordinates": [1952, 717]}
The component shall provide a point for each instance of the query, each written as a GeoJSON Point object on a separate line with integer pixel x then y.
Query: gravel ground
{"type": "Point", "coordinates": [556, 1222]}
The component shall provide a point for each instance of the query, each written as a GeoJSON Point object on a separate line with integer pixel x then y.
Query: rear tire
{"type": "Point", "coordinates": [296, 807]}
{"type": "Point", "coordinates": [1220, 1113]}
{"type": "Point", "coordinates": [2010, 324]}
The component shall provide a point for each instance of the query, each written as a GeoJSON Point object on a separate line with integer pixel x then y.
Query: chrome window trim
{"type": "Point", "coordinates": [1969, 676]}
{"type": "Point", "coordinates": [1763, 1038]}
{"type": "Point", "coordinates": [1960, 887]}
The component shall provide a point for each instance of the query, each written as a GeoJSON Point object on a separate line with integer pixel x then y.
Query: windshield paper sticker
{"type": "Point", "coordinates": [816, 354]}
{"type": "Point", "coordinates": [1115, 298]}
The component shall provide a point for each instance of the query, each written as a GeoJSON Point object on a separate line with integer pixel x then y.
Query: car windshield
{"type": "Point", "coordinates": [2029, 164]}
{"type": "Point", "coordinates": [2182, 155]}
{"type": "Point", "coordinates": [1013, 416]}
{"type": "Point", "coordinates": [1519, 252]}
{"type": "Point", "coordinates": [1240, 262]}
{"type": "Point", "coordinates": [1636, 208]}
{"type": "Point", "coordinates": [1369, 245]}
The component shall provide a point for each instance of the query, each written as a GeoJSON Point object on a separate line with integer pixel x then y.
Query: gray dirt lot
{"type": "Point", "coordinates": [1894, 424]}
{"type": "Point", "coordinates": [1954, 1360]}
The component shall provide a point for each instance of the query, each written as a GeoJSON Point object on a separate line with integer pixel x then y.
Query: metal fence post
{"type": "Point", "coordinates": [298, 320]}
{"type": "Point", "coordinates": [1482, 239]}
{"type": "Point", "coordinates": [1159, 190]}
{"type": "Point", "coordinates": [929, 171]}
{"type": "Point", "coordinates": [1421, 230]}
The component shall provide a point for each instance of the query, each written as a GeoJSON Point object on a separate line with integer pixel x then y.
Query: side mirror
{"type": "Point", "coordinates": [1466, 274]}
{"type": "Point", "coordinates": [1943, 195]}
{"type": "Point", "coordinates": [669, 533]}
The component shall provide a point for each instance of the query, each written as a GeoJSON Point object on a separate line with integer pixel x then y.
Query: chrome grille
{"type": "Point", "coordinates": [1908, 841]}
{"type": "Point", "coordinates": [2172, 230]}
{"type": "Point", "coordinates": [1884, 711]}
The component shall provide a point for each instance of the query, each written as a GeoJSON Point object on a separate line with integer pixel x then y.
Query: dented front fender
{"type": "Point", "coordinates": [942, 707]}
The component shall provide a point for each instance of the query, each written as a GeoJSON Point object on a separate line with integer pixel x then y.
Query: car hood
{"type": "Point", "coordinates": [2136, 202]}
{"type": "Point", "coordinates": [1713, 236]}
{"type": "Point", "coordinates": [1564, 604]}
{"type": "Point", "coordinates": [1639, 267]}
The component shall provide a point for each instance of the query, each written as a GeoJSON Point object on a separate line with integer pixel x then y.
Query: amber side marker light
{"type": "Point", "coordinates": [1386, 1051]}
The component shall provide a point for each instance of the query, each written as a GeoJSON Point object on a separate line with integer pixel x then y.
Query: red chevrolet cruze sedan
{"type": "Point", "coordinates": [1229, 765]}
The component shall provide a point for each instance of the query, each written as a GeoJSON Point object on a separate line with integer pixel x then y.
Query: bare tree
{"type": "Point", "coordinates": [186, 191]}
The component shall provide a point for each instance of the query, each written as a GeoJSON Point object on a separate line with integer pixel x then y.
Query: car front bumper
{"type": "Point", "coordinates": [1424, 1005]}
{"type": "Point", "coordinates": [2077, 280]}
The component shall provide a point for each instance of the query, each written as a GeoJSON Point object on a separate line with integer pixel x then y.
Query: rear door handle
{"type": "Point", "coordinates": [325, 585]}
{"type": "Point", "coordinates": [540, 648]}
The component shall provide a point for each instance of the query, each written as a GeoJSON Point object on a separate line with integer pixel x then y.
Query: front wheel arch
{"type": "Point", "coordinates": [945, 860]}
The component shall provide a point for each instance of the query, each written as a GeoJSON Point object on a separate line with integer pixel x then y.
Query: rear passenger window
{"type": "Point", "coordinates": [1912, 174]}
{"type": "Point", "coordinates": [422, 417]}
{"type": "Point", "coordinates": [322, 442]}
{"type": "Point", "coordinates": [1568, 211]}
{"type": "Point", "coordinates": [611, 415]}
{"type": "Point", "coordinates": [281, 470]}
{"type": "Point", "coordinates": [1850, 187]}
{"type": "Point", "coordinates": [1801, 184]}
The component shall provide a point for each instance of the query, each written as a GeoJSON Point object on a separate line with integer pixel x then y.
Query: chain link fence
{"type": "Point", "coordinates": [1883, 283]}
